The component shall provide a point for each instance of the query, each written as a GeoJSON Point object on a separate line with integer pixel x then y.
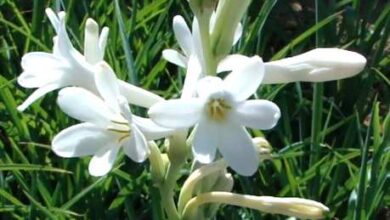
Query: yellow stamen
{"type": "Point", "coordinates": [120, 122]}
{"type": "Point", "coordinates": [121, 128]}
{"type": "Point", "coordinates": [123, 137]}
{"type": "Point", "coordinates": [119, 131]}
{"type": "Point", "coordinates": [217, 109]}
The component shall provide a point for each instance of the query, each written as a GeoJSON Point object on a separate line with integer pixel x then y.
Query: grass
{"type": "Point", "coordinates": [332, 143]}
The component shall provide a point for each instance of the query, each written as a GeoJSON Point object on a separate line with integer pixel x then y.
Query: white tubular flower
{"type": "Point", "coordinates": [190, 43]}
{"type": "Point", "coordinates": [220, 112]}
{"type": "Point", "coordinates": [318, 65]}
{"type": "Point", "coordinates": [108, 125]}
{"type": "Point", "coordinates": [67, 67]}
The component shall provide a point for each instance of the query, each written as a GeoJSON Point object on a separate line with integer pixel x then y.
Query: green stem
{"type": "Point", "coordinates": [208, 58]}
{"type": "Point", "coordinates": [177, 154]}
{"type": "Point", "coordinates": [316, 121]}
{"type": "Point", "coordinates": [167, 192]}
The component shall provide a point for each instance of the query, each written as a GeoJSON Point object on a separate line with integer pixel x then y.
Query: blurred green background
{"type": "Point", "coordinates": [332, 143]}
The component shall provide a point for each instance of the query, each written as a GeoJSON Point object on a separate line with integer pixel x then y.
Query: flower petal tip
{"type": "Point", "coordinates": [178, 19]}
{"type": "Point", "coordinates": [21, 108]}
{"type": "Point", "coordinates": [91, 26]}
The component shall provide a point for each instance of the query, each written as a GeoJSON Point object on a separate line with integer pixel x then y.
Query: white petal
{"type": "Point", "coordinates": [103, 41]}
{"type": "Point", "coordinates": [136, 146]}
{"type": "Point", "coordinates": [175, 57]}
{"type": "Point", "coordinates": [198, 47]}
{"type": "Point", "coordinates": [138, 96]}
{"type": "Point", "coordinates": [183, 34]}
{"type": "Point", "coordinates": [231, 62]}
{"type": "Point", "coordinates": [237, 33]}
{"type": "Point", "coordinates": [56, 51]}
{"type": "Point", "coordinates": [194, 71]}
{"type": "Point", "coordinates": [35, 75]}
{"type": "Point", "coordinates": [151, 130]}
{"type": "Point", "coordinates": [318, 65]}
{"type": "Point", "coordinates": [91, 42]}
{"type": "Point", "coordinates": [37, 94]}
{"type": "Point", "coordinates": [63, 45]}
{"type": "Point", "coordinates": [125, 109]}
{"type": "Point", "coordinates": [177, 113]}
{"type": "Point", "coordinates": [39, 79]}
{"type": "Point", "coordinates": [61, 16]}
{"type": "Point", "coordinates": [205, 141]}
{"type": "Point", "coordinates": [81, 140]}
{"type": "Point", "coordinates": [209, 85]}
{"type": "Point", "coordinates": [83, 105]}
{"type": "Point", "coordinates": [102, 162]}
{"type": "Point", "coordinates": [107, 85]}
{"type": "Point", "coordinates": [53, 18]}
{"type": "Point", "coordinates": [237, 149]}
{"type": "Point", "coordinates": [243, 82]}
{"type": "Point", "coordinates": [38, 61]}
{"type": "Point", "coordinates": [259, 114]}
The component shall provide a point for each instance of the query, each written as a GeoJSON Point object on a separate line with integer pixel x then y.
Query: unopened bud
{"type": "Point", "coordinates": [318, 65]}
{"type": "Point", "coordinates": [296, 207]}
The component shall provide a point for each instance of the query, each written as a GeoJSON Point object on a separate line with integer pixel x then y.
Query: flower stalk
{"type": "Point", "coordinates": [208, 56]}
{"type": "Point", "coordinates": [177, 154]}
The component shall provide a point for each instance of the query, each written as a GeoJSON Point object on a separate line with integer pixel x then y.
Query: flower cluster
{"type": "Point", "coordinates": [216, 110]}
{"type": "Point", "coordinates": [93, 95]}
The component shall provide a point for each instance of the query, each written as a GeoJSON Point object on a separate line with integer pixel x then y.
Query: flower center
{"type": "Point", "coordinates": [217, 109]}
{"type": "Point", "coordinates": [120, 128]}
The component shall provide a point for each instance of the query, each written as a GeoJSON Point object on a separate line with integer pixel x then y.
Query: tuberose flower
{"type": "Point", "coordinates": [67, 67]}
{"type": "Point", "coordinates": [220, 112]}
{"type": "Point", "coordinates": [108, 125]}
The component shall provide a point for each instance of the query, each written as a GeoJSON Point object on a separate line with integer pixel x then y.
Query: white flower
{"type": "Point", "coordinates": [67, 67]}
{"type": "Point", "coordinates": [318, 65]}
{"type": "Point", "coordinates": [108, 125]}
{"type": "Point", "coordinates": [190, 43]}
{"type": "Point", "coordinates": [220, 112]}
